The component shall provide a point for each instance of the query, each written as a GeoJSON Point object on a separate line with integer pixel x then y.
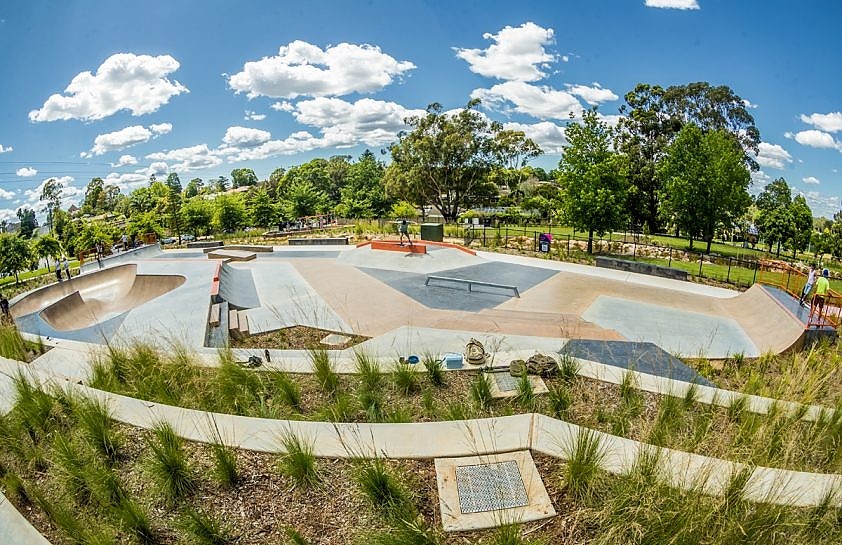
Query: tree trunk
{"type": "Point", "coordinates": [710, 241]}
{"type": "Point", "coordinates": [590, 241]}
{"type": "Point", "coordinates": [691, 243]}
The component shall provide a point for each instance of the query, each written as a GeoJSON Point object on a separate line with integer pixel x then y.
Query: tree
{"type": "Point", "coordinates": [46, 246]}
{"type": "Point", "coordinates": [653, 116]}
{"type": "Point", "coordinates": [364, 195]}
{"type": "Point", "coordinates": [198, 215]}
{"type": "Point", "coordinates": [593, 178]}
{"type": "Point", "coordinates": [774, 215]}
{"type": "Point", "coordinates": [229, 214]}
{"type": "Point", "coordinates": [513, 150]}
{"type": "Point", "coordinates": [28, 223]}
{"type": "Point", "coordinates": [303, 199]}
{"type": "Point", "coordinates": [144, 223]}
{"type": "Point", "coordinates": [93, 196]}
{"type": "Point", "coordinates": [802, 219]}
{"type": "Point", "coordinates": [243, 177]}
{"type": "Point", "coordinates": [276, 178]}
{"type": "Point", "coordinates": [220, 185]}
{"type": "Point", "coordinates": [260, 208]}
{"type": "Point", "coordinates": [173, 203]}
{"type": "Point", "coordinates": [194, 187]}
{"type": "Point", "coordinates": [705, 182]}
{"type": "Point", "coordinates": [15, 255]}
{"type": "Point", "coordinates": [445, 159]}
{"type": "Point", "coordinates": [51, 192]}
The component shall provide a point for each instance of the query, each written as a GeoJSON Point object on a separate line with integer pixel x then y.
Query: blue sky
{"type": "Point", "coordinates": [122, 90]}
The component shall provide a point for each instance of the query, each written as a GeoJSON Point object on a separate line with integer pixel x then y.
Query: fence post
{"type": "Point", "coordinates": [756, 266]}
{"type": "Point", "coordinates": [728, 276]}
{"type": "Point", "coordinates": [634, 251]}
{"type": "Point", "coordinates": [506, 238]}
{"type": "Point", "coordinates": [568, 245]}
{"type": "Point", "coordinates": [701, 260]}
{"type": "Point", "coordinates": [670, 261]}
{"type": "Point", "coordinates": [788, 273]}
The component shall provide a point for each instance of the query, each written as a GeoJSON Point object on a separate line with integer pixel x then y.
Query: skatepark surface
{"type": "Point", "coordinates": [384, 295]}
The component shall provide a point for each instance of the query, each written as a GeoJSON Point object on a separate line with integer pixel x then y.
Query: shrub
{"type": "Point", "coordinates": [169, 466]}
{"type": "Point", "coordinates": [298, 461]}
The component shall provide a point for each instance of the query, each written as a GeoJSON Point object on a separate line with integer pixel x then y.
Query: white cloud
{"type": "Point", "coordinates": [157, 169]}
{"type": "Point", "coordinates": [538, 101]}
{"type": "Point", "coordinates": [244, 137]}
{"type": "Point", "coordinates": [748, 104]}
{"type": "Point", "coordinates": [372, 122]}
{"type": "Point", "coordinates": [822, 205]}
{"type": "Point", "coordinates": [673, 4]}
{"type": "Point", "coordinates": [517, 54]}
{"type": "Point", "coordinates": [565, 58]}
{"type": "Point", "coordinates": [548, 136]}
{"type": "Point", "coordinates": [5, 149]}
{"type": "Point", "coordinates": [8, 214]}
{"type": "Point", "coordinates": [812, 180]}
{"type": "Point", "coordinates": [69, 193]}
{"type": "Point", "coordinates": [6, 194]}
{"type": "Point", "coordinates": [594, 95]}
{"type": "Point", "coordinates": [303, 69]}
{"type": "Point", "coordinates": [283, 106]}
{"type": "Point", "coordinates": [26, 172]}
{"type": "Point", "coordinates": [817, 139]}
{"type": "Point", "coordinates": [126, 182]}
{"type": "Point", "coordinates": [125, 81]}
{"type": "Point", "coordinates": [184, 159]}
{"type": "Point", "coordinates": [125, 160]}
{"type": "Point", "coordinates": [831, 122]}
{"type": "Point", "coordinates": [124, 138]}
{"type": "Point", "coordinates": [253, 116]}
{"type": "Point", "coordinates": [772, 156]}
{"type": "Point", "coordinates": [760, 178]}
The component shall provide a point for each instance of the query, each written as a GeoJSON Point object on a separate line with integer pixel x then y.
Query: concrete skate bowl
{"type": "Point", "coordinates": [93, 298]}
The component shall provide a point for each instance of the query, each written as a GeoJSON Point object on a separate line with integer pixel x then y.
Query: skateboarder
{"type": "Point", "coordinates": [822, 287]}
{"type": "Point", "coordinates": [808, 287]}
{"type": "Point", "coordinates": [66, 266]}
{"type": "Point", "coordinates": [403, 229]}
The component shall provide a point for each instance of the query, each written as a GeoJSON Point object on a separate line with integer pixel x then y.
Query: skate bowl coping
{"type": "Point", "coordinates": [93, 298]}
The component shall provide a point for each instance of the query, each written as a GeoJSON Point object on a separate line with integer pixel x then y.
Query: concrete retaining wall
{"type": "Point", "coordinates": [641, 267]}
{"type": "Point", "coordinates": [205, 244]}
{"type": "Point", "coordinates": [334, 241]}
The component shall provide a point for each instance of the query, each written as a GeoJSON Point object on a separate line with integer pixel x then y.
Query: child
{"type": "Point", "coordinates": [403, 229]}
{"type": "Point", "coordinates": [808, 287]}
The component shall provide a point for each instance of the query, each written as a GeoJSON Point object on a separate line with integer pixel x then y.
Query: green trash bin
{"type": "Point", "coordinates": [434, 232]}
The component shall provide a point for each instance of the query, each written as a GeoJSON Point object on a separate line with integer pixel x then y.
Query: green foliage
{"type": "Point", "coordinates": [560, 400]}
{"type": "Point", "coordinates": [568, 368]}
{"type": "Point", "coordinates": [445, 159]}
{"type": "Point", "coordinates": [243, 177]}
{"type": "Point", "coordinates": [525, 393]}
{"type": "Point", "coordinates": [481, 391]}
{"type": "Point", "coordinates": [12, 345]}
{"type": "Point", "coordinates": [286, 389]}
{"type": "Point", "coordinates": [298, 461]}
{"type": "Point", "coordinates": [705, 181]}
{"type": "Point", "coordinates": [584, 462]}
{"type": "Point", "coordinates": [405, 378]}
{"type": "Point", "coordinates": [15, 255]}
{"type": "Point", "coordinates": [46, 246]}
{"type": "Point", "coordinates": [95, 422]}
{"type": "Point", "coordinates": [323, 370]}
{"type": "Point", "coordinates": [225, 464]}
{"type": "Point", "coordinates": [593, 177]}
{"type": "Point", "coordinates": [168, 465]}
{"type": "Point", "coordinates": [198, 214]}
{"type": "Point", "coordinates": [294, 538]}
{"type": "Point", "coordinates": [229, 212]}
{"type": "Point", "coordinates": [369, 372]}
{"type": "Point", "coordinates": [435, 370]}
{"type": "Point", "coordinates": [384, 489]}
{"type": "Point", "coordinates": [204, 529]}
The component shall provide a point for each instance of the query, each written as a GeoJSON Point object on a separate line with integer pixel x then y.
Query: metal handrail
{"type": "Point", "coordinates": [472, 283]}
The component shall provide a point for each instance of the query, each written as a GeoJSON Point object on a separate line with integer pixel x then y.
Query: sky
{"type": "Point", "coordinates": [124, 90]}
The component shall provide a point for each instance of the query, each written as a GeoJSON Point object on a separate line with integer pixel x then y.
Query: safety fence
{"type": "Point", "coordinates": [739, 272]}
{"type": "Point", "coordinates": [793, 280]}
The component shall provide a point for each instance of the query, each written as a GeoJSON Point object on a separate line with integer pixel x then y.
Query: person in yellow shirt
{"type": "Point", "coordinates": [822, 287]}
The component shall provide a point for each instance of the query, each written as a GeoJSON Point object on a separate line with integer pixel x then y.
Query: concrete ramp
{"type": "Point", "coordinates": [768, 322]}
{"type": "Point", "coordinates": [93, 298]}
{"type": "Point", "coordinates": [237, 287]}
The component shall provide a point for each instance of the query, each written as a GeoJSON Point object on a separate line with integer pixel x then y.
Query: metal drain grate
{"type": "Point", "coordinates": [489, 487]}
{"type": "Point", "coordinates": [505, 382]}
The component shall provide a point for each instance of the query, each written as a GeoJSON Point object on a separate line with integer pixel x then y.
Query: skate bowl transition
{"type": "Point", "coordinates": [93, 298]}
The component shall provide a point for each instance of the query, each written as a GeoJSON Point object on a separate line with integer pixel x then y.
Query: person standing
{"type": "Point", "coordinates": [4, 306]}
{"type": "Point", "coordinates": [65, 264]}
{"type": "Point", "coordinates": [403, 229]}
{"type": "Point", "coordinates": [822, 287]}
{"type": "Point", "coordinates": [808, 287]}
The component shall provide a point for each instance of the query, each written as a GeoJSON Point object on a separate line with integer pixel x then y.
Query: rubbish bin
{"type": "Point", "coordinates": [544, 241]}
{"type": "Point", "coordinates": [434, 232]}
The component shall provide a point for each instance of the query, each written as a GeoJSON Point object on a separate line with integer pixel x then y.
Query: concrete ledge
{"type": "Point", "coordinates": [240, 248]}
{"type": "Point", "coordinates": [395, 246]}
{"type": "Point", "coordinates": [333, 241]}
{"type": "Point", "coordinates": [641, 267]}
{"type": "Point", "coordinates": [205, 244]}
{"type": "Point", "coordinates": [228, 254]}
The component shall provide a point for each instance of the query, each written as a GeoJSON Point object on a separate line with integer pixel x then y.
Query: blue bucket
{"type": "Point", "coordinates": [413, 359]}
